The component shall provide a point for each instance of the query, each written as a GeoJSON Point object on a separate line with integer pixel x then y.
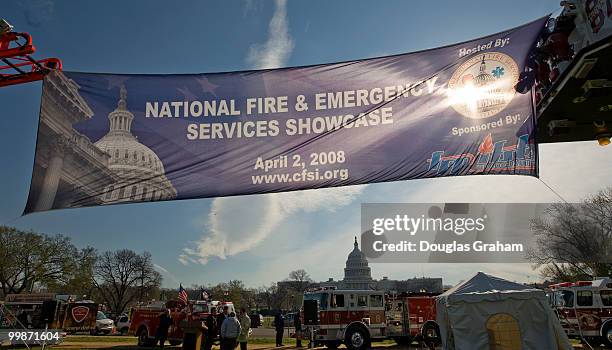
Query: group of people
{"type": "Point", "coordinates": [228, 328]}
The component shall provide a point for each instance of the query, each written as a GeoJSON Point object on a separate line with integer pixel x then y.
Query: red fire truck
{"type": "Point", "coordinates": [145, 321]}
{"type": "Point", "coordinates": [585, 309]}
{"type": "Point", "coordinates": [357, 317]}
{"type": "Point", "coordinates": [145, 318]}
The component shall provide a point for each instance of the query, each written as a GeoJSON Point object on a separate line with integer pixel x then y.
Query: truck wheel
{"type": "Point", "coordinates": [357, 338]}
{"type": "Point", "coordinates": [143, 337]}
{"type": "Point", "coordinates": [431, 334]}
{"type": "Point", "coordinates": [607, 335]}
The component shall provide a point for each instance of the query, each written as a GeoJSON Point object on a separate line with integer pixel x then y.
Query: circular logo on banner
{"type": "Point", "coordinates": [483, 85]}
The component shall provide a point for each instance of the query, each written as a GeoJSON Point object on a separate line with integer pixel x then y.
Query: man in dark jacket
{"type": "Point", "coordinates": [297, 323]}
{"type": "Point", "coordinates": [212, 329]}
{"type": "Point", "coordinates": [279, 326]}
{"type": "Point", "coordinates": [165, 321]}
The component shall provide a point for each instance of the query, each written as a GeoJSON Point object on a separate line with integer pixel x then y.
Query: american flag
{"type": "Point", "coordinates": [182, 295]}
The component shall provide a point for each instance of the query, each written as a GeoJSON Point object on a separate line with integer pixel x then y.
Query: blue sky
{"type": "Point", "coordinates": [259, 239]}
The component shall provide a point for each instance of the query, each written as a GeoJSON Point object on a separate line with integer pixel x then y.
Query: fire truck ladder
{"type": "Point", "coordinates": [15, 52]}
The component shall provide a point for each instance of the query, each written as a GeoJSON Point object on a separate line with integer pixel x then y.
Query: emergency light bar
{"type": "Point", "coordinates": [583, 283]}
{"type": "Point", "coordinates": [561, 285]}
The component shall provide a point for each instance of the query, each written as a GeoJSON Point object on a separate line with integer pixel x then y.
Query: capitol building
{"type": "Point", "coordinates": [72, 171]}
{"type": "Point", "coordinates": [140, 171]}
{"type": "Point", "coordinates": [491, 96]}
{"type": "Point", "coordinates": [358, 276]}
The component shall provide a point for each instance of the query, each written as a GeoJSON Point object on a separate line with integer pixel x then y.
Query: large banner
{"type": "Point", "coordinates": [462, 109]}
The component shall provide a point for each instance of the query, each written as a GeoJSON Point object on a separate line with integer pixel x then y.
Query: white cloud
{"type": "Point", "coordinates": [165, 272]}
{"type": "Point", "coordinates": [186, 259]}
{"type": "Point", "coordinates": [238, 224]}
{"type": "Point", "coordinates": [277, 49]}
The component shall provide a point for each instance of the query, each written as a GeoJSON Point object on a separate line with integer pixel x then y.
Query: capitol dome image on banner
{"type": "Point", "coordinates": [458, 110]}
{"type": "Point", "coordinates": [79, 172]}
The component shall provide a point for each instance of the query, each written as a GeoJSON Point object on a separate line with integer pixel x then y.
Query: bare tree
{"type": "Point", "coordinates": [123, 277]}
{"type": "Point", "coordinates": [301, 280]}
{"type": "Point", "coordinates": [272, 296]}
{"type": "Point", "coordinates": [29, 259]}
{"type": "Point", "coordinates": [575, 241]}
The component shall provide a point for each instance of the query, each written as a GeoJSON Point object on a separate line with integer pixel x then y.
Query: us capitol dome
{"type": "Point", "coordinates": [492, 96]}
{"type": "Point", "coordinates": [357, 273]}
{"type": "Point", "coordinates": [141, 172]}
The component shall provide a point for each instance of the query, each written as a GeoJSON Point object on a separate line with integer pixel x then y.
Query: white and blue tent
{"type": "Point", "coordinates": [487, 313]}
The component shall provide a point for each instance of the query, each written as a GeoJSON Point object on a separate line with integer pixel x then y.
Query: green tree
{"type": "Point", "coordinates": [30, 259]}
{"type": "Point", "coordinates": [230, 291]}
{"type": "Point", "coordinates": [80, 282]}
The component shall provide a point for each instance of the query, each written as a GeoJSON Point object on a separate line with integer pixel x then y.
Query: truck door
{"type": "Point", "coordinates": [405, 319]}
{"type": "Point", "coordinates": [397, 318]}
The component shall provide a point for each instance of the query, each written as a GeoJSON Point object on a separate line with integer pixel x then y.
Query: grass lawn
{"type": "Point", "coordinates": [129, 343]}
{"type": "Point", "coordinates": [99, 339]}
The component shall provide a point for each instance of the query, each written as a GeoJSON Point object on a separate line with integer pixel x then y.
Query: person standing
{"type": "Point", "coordinates": [221, 317]}
{"type": "Point", "coordinates": [22, 317]}
{"type": "Point", "coordinates": [162, 330]}
{"type": "Point", "coordinates": [245, 328]}
{"type": "Point", "coordinates": [297, 323]}
{"type": "Point", "coordinates": [230, 330]}
{"type": "Point", "coordinates": [212, 329]}
{"type": "Point", "coordinates": [279, 326]}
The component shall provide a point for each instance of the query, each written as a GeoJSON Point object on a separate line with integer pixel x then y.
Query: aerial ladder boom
{"type": "Point", "coordinates": [19, 66]}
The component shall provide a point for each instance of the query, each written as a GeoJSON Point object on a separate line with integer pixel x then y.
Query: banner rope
{"type": "Point", "coordinates": [553, 191]}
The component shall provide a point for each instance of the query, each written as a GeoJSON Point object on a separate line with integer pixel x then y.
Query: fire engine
{"type": "Point", "coordinates": [585, 309]}
{"type": "Point", "coordinates": [145, 321]}
{"type": "Point", "coordinates": [145, 318]}
{"type": "Point", "coordinates": [65, 313]}
{"type": "Point", "coordinates": [357, 317]}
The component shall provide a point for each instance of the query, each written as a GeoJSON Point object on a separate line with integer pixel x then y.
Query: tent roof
{"type": "Point", "coordinates": [486, 287]}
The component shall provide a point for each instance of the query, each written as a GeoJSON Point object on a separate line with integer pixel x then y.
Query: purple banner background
{"type": "Point", "coordinates": [442, 125]}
